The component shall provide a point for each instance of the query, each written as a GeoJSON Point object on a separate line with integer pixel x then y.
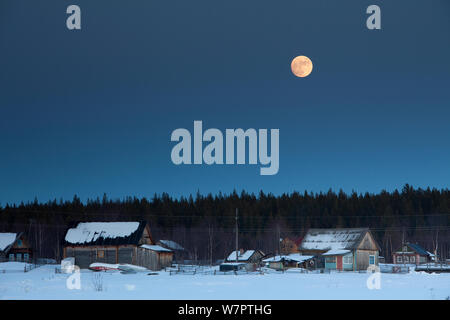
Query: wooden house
{"type": "Point", "coordinates": [288, 246]}
{"type": "Point", "coordinates": [15, 247]}
{"type": "Point", "coordinates": [250, 260]}
{"type": "Point", "coordinates": [155, 256]}
{"type": "Point", "coordinates": [113, 243]}
{"type": "Point", "coordinates": [293, 260]}
{"type": "Point", "coordinates": [179, 253]}
{"type": "Point", "coordinates": [249, 256]}
{"type": "Point", "coordinates": [412, 253]}
{"type": "Point", "coordinates": [341, 249]}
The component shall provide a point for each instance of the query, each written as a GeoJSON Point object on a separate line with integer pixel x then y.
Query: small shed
{"type": "Point", "coordinates": [15, 247]}
{"type": "Point", "coordinates": [232, 266]}
{"type": "Point", "coordinates": [179, 253]}
{"type": "Point", "coordinates": [154, 257]}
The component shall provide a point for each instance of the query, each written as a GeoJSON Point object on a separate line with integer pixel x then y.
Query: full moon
{"type": "Point", "coordinates": [301, 66]}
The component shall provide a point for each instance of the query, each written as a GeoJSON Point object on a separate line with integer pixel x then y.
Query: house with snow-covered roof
{"type": "Point", "coordinates": [412, 253]}
{"type": "Point", "coordinates": [249, 259]}
{"type": "Point", "coordinates": [115, 243]}
{"type": "Point", "coordinates": [248, 256]}
{"type": "Point", "coordinates": [154, 257]}
{"type": "Point", "coordinates": [14, 246]}
{"type": "Point", "coordinates": [293, 260]}
{"type": "Point", "coordinates": [179, 253]}
{"type": "Point", "coordinates": [342, 248]}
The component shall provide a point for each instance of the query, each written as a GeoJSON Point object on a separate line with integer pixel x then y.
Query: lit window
{"type": "Point", "coordinates": [100, 254]}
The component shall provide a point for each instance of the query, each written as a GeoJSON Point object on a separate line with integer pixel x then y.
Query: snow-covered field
{"type": "Point", "coordinates": [44, 283]}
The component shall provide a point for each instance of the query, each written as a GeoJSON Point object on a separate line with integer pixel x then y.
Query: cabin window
{"type": "Point", "coordinates": [412, 259]}
{"type": "Point", "coordinates": [19, 257]}
{"type": "Point", "coordinates": [26, 256]}
{"type": "Point", "coordinates": [406, 259]}
{"type": "Point", "coordinates": [330, 259]}
{"type": "Point", "coordinates": [19, 243]}
{"type": "Point", "coordinates": [348, 259]}
{"type": "Point", "coordinates": [371, 259]}
{"type": "Point", "coordinates": [399, 259]}
{"type": "Point", "coordinates": [11, 257]}
{"type": "Point", "coordinates": [100, 254]}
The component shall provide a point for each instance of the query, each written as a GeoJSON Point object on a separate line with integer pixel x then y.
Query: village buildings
{"type": "Point", "coordinates": [340, 249]}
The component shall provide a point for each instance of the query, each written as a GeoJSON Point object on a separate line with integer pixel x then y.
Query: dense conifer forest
{"type": "Point", "coordinates": [205, 224]}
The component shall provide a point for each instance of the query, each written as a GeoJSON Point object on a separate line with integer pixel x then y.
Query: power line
{"type": "Point", "coordinates": [198, 215]}
{"type": "Point", "coordinates": [270, 229]}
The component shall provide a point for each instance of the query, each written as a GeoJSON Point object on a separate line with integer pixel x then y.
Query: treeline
{"type": "Point", "coordinates": [205, 224]}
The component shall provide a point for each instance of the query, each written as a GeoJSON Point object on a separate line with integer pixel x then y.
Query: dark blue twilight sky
{"type": "Point", "coordinates": [91, 111]}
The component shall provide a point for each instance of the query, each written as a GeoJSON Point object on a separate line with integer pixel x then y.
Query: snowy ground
{"type": "Point", "coordinates": [44, 283]}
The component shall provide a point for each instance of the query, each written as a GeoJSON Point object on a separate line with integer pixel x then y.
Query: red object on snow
{"type": "Point", "coordinates": [103, 267]}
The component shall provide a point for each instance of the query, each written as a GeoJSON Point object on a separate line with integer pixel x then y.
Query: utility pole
{"type": "Point", "coordinates": [436, 249]}
{"type": "Point", "coordinates": [237, 246]}
{"type": "Point", "coordinates": [29, 233]}
{"type": "Point", "coordinates": [278, 239]}
{"type": "Point", "coordinates": [403, 246]}
{"type": "Point", "coordinates": [390, 249]}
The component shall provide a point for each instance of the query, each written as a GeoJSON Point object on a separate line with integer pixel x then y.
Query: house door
{"type": "Point", "coordinates": [339, 263]}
